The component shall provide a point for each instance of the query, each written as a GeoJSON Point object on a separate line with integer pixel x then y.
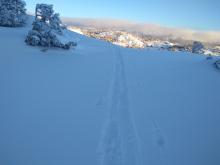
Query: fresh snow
{"type": "Point", "coordinates": [100, 104]}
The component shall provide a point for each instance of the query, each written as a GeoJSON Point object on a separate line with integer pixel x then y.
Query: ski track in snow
{"type": "Point", "coordinates": [159, 138]}
{"type": "Point", "coordinates": [159, 141]}
{"type": "Point", "coordinates": [119, 141]}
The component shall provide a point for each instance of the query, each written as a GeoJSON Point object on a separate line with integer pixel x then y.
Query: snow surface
{"type": "Point", "coordinates": [100, 104]}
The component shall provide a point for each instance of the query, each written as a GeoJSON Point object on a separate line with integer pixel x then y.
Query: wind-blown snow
{"type": "Point", "coordinates": [102, 104]}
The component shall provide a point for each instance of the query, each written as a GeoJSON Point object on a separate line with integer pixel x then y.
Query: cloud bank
{"type": "Point", "coordinates": [148, 29]}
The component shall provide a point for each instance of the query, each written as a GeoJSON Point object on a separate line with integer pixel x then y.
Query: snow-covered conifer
{"type": "Point", "coordinates": [46, 27]}
{"type": "Point", "coordinates": [44, 12]}
{"type": "Point", "coordinates": [12, 13]}
{"type": "Point", "coordinates": [56, 23]}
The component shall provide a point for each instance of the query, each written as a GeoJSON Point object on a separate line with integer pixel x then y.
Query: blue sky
{"type": "Point", "coordinates": [195, 14]}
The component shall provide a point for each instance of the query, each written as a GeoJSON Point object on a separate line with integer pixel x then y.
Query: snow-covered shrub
{"type": "Point", "coordinates": [197, 47]}
{"type": "Point", "coordinates": [33, 38]}
{"type": "Point", "coordinates": [46, 27]}
{"type": "Point", "coordinates": [46, 39]}
{"type": "Point", "coordinates": [12, 13]}
{"type": "Point", "coordinates": [69, 45]}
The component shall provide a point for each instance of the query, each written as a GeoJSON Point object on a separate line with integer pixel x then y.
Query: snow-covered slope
{"type": "Point", "coordinates": [102, 104]}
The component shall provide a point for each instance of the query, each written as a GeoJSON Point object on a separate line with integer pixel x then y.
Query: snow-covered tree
{"type": "Point", "coordinates": [45, 13]}
{"type": "Point", "coordinates": [197, 47]}
{"type": "Point", "coordinates": [46, 27]}
{"type": "Point", "coordinates": [12, 13]}
{"type": "Point", "coordinates": [56, 23]}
